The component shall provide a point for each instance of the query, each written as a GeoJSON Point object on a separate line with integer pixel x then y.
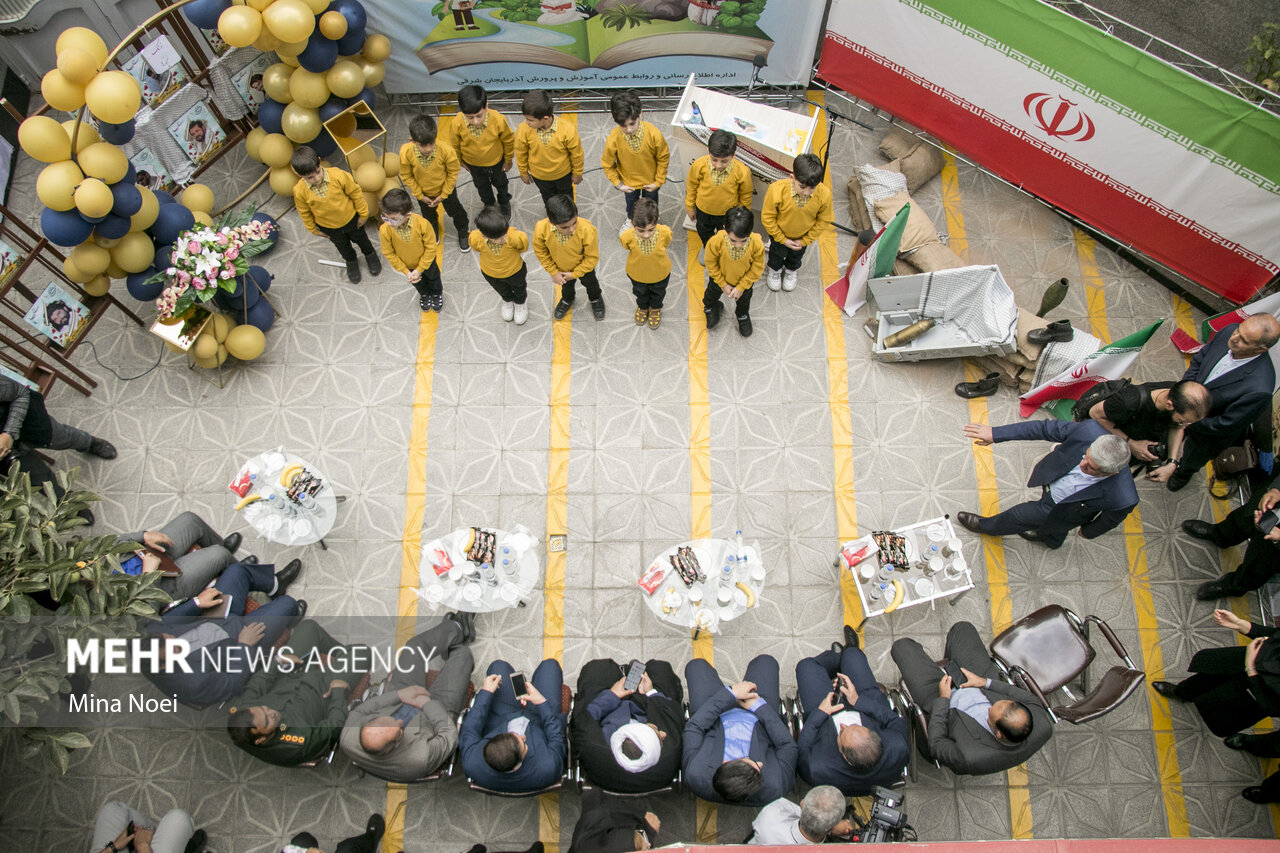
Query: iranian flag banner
{"type": "Point", "coordinates": [1111, 362]}
{"type": "Point", "coordinates": [1184, 172]}
{"type": "Point", "coordinates": [849, 291]}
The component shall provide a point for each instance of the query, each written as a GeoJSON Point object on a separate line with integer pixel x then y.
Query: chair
{"type": "Point", "coordinates": [445, 770]}
{"type": "Point", "coordinates": [566, 707]}
{"type": "Point", "coordinates": [1046, 650]}
{"type": "Point", "coordinates": [917, 721]}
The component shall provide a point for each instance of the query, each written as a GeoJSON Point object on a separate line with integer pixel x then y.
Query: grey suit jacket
{"type": "Point", "coordinates": [429, 739]}
{"type": "Point", "coordinates": [958, 742]}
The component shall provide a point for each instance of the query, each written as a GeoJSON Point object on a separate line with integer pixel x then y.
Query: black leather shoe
{"type": "Point", "coordinates": [838, 648]}
{"type": "Point", "coordinates": [562, 308]}
{"type": "Point", "coordinates": [597, 308]}
{"type": "Point", "coordinates": [374, 263]}
{"type": "Point", "coordinates": [467, 622]}
{"type": "Point", "coordinates": [102, 449]}
{"type": "Point", "coordinates": [299, 612]}
{"type": "Point", "coordinates": [196, 842]}
{"type": "Point", "coordinates": [1178, 480]}
{"type": "Point", "coordinates": [375, 827]}
{"type": "Point", "coordinates": [1167, 689]}
{"type": "Point", "coordinates": [850, 638]}
{"type": "Point", "coordinates": [1058, 330]}
{"type": "Point", "coordinates": [232, 542]}
{"type": "Point", "coordinates": [1255, 794]}
{"type": "Point", "coordinates": [464, 241]}
{"type": "Point", "coordinates": [984, 387]}
{"type": "Point", "coordinates": [1212, 591]}
{"type": "Point", "coordinates": [286, 576]}
{"type": "Point", "coordinates": [744, 326]}
{"type": "Point", "coordinates": [713, 316]}
{"type": "Point", "coordinates": [1032, 536]}
{"type": "Point", "coordinates": [252, 560]}
{"type": "Point", "coordinates": [1236, 742]}
{"type": "Point", "coordinates": [1198, 529]}
{"type": "Point", "coordinates": [969, 520]}
{"type": "Point", "coordinates": [505, 207]}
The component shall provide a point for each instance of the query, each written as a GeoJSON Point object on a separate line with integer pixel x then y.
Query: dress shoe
{"type": "Point", "coordinates": [102, 449]}
{"type": "Point", "coordinates": [1236, 741]}
{"type": "Point", "coordinates": [252, 560]}
{"type": "Point", "coordinates": [1032, 536]}
{"type": "Point", "coordinates": [838, 648]}
{"type": "Point", "coordinates": [1167, 689]}
{"type": "Point", "coordinates": [299, 612]}
{"type": "Point", "coordinates": [375, 827]}
{"type": "Point", "coordinates": [850, 638]}
{"type": "Point", "coordinates": [197, 842]}
{"type": "Point", "coordinates": [1255, 794]}
{"type": "Point", "coordinates": [969, 520]}
{"type": "Point", "coordinates": [1199, 529]}
{"type": "Point", "coordinates": [465, 621]}
{"type": "Point", "coordinates": [562, 308]}
{"type": "Point", "coordinates": [232, 542]}
{"type": "Point", "coordinates": [984, 387]}
{"type": "Point", "coordinates": [1057, 331]}
{"type": "Point", "coordinates": [286, 576]}
{"type": "Point", "coordinates": [1178, 480]}
{"type": "Point", "coordinates": [1212, 591]}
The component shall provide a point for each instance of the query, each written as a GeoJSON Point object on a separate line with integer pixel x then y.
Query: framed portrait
{"type": "Point", "coordinates": [248, 81]}
{"type": "Point", "coordinates": [151, 172]}
{"type": "Point", "coordinates": [156, 87]}
{"type": "Point", "coordinates": [198, 133]}
{"type": "Point", "coordinates": [57, 315]}
{"type": "Point", "coordinates": [8, 262]}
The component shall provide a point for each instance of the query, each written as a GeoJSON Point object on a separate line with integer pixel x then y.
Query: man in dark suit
{"type": "Point", "coordinates": [736, 747]}
{"type": "Point", "coordinates": [1261, 557]}
{"type": "Point", "coordinates": [1085, 483]}
{"type": "Point", "coordinates": [1237, 370]}
{"type": "Point", "coordinates": [515, 744]}
{"type": "Point", "coordinates": [852, 740]}
{"type": "Point", "coordinates": [982, 726]}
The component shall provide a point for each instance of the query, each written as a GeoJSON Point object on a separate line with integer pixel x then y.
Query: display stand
{"type": "Point", "coordinates": [368, 130]}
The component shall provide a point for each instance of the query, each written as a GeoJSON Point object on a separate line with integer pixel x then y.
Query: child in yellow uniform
{"type": "Point", "coordinates": [331, 203]}
{"type": "Point", "coordinates": [409, 244]}
{"type": "Point", "coordinates": [735, 259]}
{"type": "Point", "coordinates": [716, 183]}
{"type": "Point", "coordinates": [548, 151]}
{"type": "Point", "coordinates": [635, 155]}
{"type": "Point", "coordinates": [568, 248]}
{"type": "Point", "coordinates": [795, 212]}
{"type": "Point", "coordinates": [429, 168]}
{"type": "Point", "coordinates": [648, 264]}
{"type": "Point", "coordinates": [500, 247]}
{"type": "Point", "coordinates": [485, 145]}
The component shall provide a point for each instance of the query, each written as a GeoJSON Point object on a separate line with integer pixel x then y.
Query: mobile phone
{"type": "Point", "coordinates": [957, 674]}
{"type": "Point", "coordinates": [1268, 520]}
{"type": "Point", "coordinates": [518, 684]}
{"type": "Point", "coordinates": [634, 673]}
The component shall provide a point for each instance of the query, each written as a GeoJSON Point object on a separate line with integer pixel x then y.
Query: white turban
{"type": "Point", "coordinates": [645, 738]}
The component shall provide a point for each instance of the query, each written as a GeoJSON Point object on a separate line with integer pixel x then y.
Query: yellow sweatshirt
{"type": "Point", "coordinates": [715, 193]}
{"type": "Point", "coordinates": [500, 261]}
{"type": "Point", "coordinates": [552, 153]}
{"type": "Point", "coordinates": [741, 271]}
{"type": "Point", "coordinates": [332, 206]}
{"type": "Point", "coordinates": [488, 146]}
{"type": "Point", "coordinates": [637, 160]}
{"type": "Point", "coordinates": [410, 247]}
{"type": "Point", "coordinates": [576, 254]}
{"type": "Point", "coordinates": [785, 216]}
{"type": "Point", "coordinates": [428, 177]}
{"type": "Point", "coordinates": [647, 260]}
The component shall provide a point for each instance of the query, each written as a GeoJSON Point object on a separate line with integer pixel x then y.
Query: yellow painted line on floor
{"type": "Point", "coordinates": [1020, 825]}
{"type": "Point", "coordinates": [1095, 297]}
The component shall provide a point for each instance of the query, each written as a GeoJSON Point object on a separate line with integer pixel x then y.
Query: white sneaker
{"type": "Point", "coordinates": [701, 252]}
{"type": "Point", "coordinates": [624, 227]}
{"type": "Point", "coordinates": [508, 311]}
{"type": "Point", "coordinates": [773, 278]}
{"type": "Point", "coordinates": [789, 279]}
{"type": "Point", "coordinates": [521, 313]}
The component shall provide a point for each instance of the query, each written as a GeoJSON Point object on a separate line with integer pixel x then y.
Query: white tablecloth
{"type": "Point", "coordinates": [275, 517]}
{"type": "Point", "coordinates": [464, 588]}
{"type": "Point", "coordinates": [701, 604]}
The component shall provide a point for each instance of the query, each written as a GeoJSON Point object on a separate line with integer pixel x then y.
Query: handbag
{"type": "Point", "coordinates": [1233, 462]}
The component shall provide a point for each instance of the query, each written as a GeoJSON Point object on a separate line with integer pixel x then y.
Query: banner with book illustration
{"type": "Point", "coordinates": [527, 44]}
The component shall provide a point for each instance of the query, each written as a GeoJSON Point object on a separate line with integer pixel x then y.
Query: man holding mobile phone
{"type": "Point", "coordinates": [1260, 561]}
{"type": "Point", "coordinates": [515, 744]}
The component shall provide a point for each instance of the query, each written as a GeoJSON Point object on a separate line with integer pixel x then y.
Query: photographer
{"type": "Point", "coordinates": [1153, 413]}
{"type": "Point", "coordinates": [121, 827]}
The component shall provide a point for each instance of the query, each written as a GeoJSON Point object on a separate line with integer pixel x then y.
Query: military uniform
{"type": "Point", "coordinates": [310, 723]}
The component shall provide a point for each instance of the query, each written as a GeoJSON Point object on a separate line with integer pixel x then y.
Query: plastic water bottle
{"type": "Point", "coordinates": [487, 573]}
{"type": "Point", "coordinates": [726, 573]}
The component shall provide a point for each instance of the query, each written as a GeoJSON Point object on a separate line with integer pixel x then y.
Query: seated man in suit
{"type": "Point", "coordinates": [290, 715]}
{"type": "Point", "coordinates": [628, 741]}
{"type": "Point", "coordinates": [199, 567]}
{"type": "Point", "coordinates": [409, 731]}
{"type": "Point", "coordinates": [1085, 483]}
{"type": "Point", "coordinates": [612, 825]}
{"type": "Point", "coordinates": [220, 650]}
{"type": "Point", "coordinates": [515, 744]}
{"type": "Point", "coordinates": [736, 747]}
{"type": "Point", "coordinates": [1262, 555]}
{"type": "Point", "coordinates": [852, 740]}
{"type": "Point", "coordinates": [783, 823]}
{"type": "Point", "coordinates": [982, 726]}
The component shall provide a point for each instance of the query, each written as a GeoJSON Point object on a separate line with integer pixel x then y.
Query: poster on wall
{"type": "Point", "coordinates": [523, 44]}
{"type": "Point", "coordinates": [1181, 170]}
{"type": "Point", "coordinates": [198, 133]}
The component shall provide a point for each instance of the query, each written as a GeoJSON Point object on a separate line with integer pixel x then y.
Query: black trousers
{"type": "Point", "coordinates": [1199, 449]}
{"type": "Point", "coordinates": [429, 283]}
{"type": "Point", "coordinates": [712, 297]}
{"type": "Point", "coordinates": [707, 224]}
{"type": "Point", "coordinates": [489, 179]}
{"type": "Point", "coordinates": [451, 206]}
{"type": "Point", "coordinates": [649, 294]}
{"type": "Point", "coordinates": [562, 185]}
{"type": "Point", "coordinates": [780, 256]}
{"type": "Point", "coordinates": [513, 288]}
{"type": "Point", "coordinates": [343, 237]}
{"type": "Point", "coordinates": [1266, 746]}
{"type": "Point", "coordinates": [635, 195]}
{"type": "Point", "coordinates": [1029, 515]}
{"type": "Point", "coordinates": [1261, 558]}
{"type": "Point", "coordinates": [569, 290]}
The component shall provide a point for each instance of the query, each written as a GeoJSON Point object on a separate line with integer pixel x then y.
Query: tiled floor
{"type": "Point", "coordinates": [337, 385]}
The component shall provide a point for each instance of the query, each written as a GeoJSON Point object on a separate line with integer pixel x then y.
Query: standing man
{"type": "Point", "coordinates": [27, 422]}
{"type": "Point", "coordinates": [1261, 558]}
{"type": "Point", "coordinates": [1084, 480]}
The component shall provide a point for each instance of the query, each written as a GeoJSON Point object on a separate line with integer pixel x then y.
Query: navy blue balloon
{"type": "Point", "coordinates": [273, 239]}
{"type": "Point", "coordinates": [127, 198]}
{"type": "Point", "coordinates": [332, 107]}
{"type": "Point", "coordinates": [366, 95]}
{"type": "Point", "coordinates": [261, 315]}
{"type": "Point", "coordinates": [64, 227]}
{"type": "Point", "coordinates": [113, 227]}
{"type": "Point", "coordinates": [353, 12]}
{"type": "Point", "coordinates": [353, 42]}
{"type": "Point", "coordinates": [269, 114]}
{"type": "Point", "coordinates": [134, 283]}
{"type": "Point", "coordinates": [164, 198]}
{"type": "Point", "coordinates": [171, 221]}
{"type": "Point", "coordinates": [163, 254]}
{"type": "Point", "coordinates": [319, 54]}
{"type": "Point", "coordinates": [92, 220]}
{"type": "Point", "coordinates": [205, 13]}
{"type": "Point", "coordinates": [130, 176]}
{"type": "Point", "coordinates": [324, 144]}
{"type": "Point", "coordinates": [117, 134]}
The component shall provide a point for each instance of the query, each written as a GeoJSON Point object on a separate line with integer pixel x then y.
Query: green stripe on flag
{"type": "Point", "coordinates": [886, 248]}
{"type": "Point", "coordinates": [1120, 77]}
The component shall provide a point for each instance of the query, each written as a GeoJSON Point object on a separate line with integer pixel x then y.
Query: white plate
{"type": "Point", "coordinates": [301, 527]}
{"type": "Point", "coordinates": [509, 592]}
{"type": "Point", "coordinates": [434, 592]}
{"type": "Point", "coordinates": [471, 592]}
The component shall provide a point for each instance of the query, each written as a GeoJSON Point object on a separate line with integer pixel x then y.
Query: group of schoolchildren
{"type": "Point", "coordinates": [548, 153]}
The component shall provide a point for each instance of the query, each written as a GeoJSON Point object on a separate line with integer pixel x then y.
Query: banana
{"type": "Point", "coordinates": [246, 500]}
{"type": "Point", "coordinates": [290, 471]}
{"type": "Point", "coordinates": [899, 593]}
{"type": "Point", "coordinates": [751, 596]}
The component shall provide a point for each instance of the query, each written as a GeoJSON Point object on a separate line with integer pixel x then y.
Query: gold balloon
{"type": "Point", "coordinates": [87, 134]}
{"type": "Point", "coordinates": [105, 161]}
{"type": "Point", "coordinates": [73, 272]}
{"type": "Point", "coordinates": [77, 65]}
{"type": "Point", "coordinates": [290, 20]}
{"type": "Point", "coordinates": [44, 139]}
{"type": "Point", "coordinates": [260, 5]}
{"type": "Point", "coordinates": [56, 185]}
{"type": "Point", "coordinates": [246, 342]}
{"type": "Point", "coordinates": [370, 176]}
{"type": "Point", "coordinates": [113, 269]}
{"type": "Point", "coordinates": [252, 141]}
{"type": "Point", "coordinates": [61, 93]}
{"type": "Point", "coordinates": [282, 181]}
{"type": "Point", "coordinates": [371, 199]}
{"type": "Point", "coordinates": [391, 164]}
{"type": "Point", "coordinates": [290, 59]}
{"type": "Point", "coordinates": [99, 286]}
{"type": "Point", "coordinates": [146, 215]}
{"type": "Point", "coordinates": [377, 48]}
{"type": "Point", "coordinates": [291, 49]}
{"type": "Point", "coordinates": [222, 324]}
{"type": "Point", "coordinates": [90, 258]}
{"type": "Point", "coordinates": [341, 127]}
{"type": "Point", "coordinates": [360, 156]}
{"type": "Point", "coordinates": [299, 123]}
{"type": "Point", "coordinates": [114, 96]}
{"type": "Point", "coordinates": [202, 217]}
{"type": "Point", "coordinates": [387, 186]}
{"type": "Point", "coordinates": [275, 82]}
{"type": "Point", "coordinates": [316, 6]}
{"type": "Point", "coordinates": [105, 242]}
{"type": "Point", "coordinates": [134, 253]}
{"type": "Point", "coordinates": [308, 88]}
{"type": "Point", "coordinates": [345, 79]}
{"type": "Point", "coordinates": [275, 150]}
{"type": "Point", "coordinates": [197, 197]}
{"type": "Point", "coordinates": [239, 26]}
{"type": "Point", "coordinates": [85, 39]}
{"type": "Point", "coordinates": [373, 72]}
{"type": "Point", "coordinates": [206, 345]}
{"type": "Point", "coordinates": [333, 25]}
{"type": "Point", "coordinates": [266, 42]}
{"type": "Point", "coordinates": [93, 198]}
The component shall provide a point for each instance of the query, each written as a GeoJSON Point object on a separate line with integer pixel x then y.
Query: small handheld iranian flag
{"type": "Point", "coordinates": [1060, 393]}
{"type": "Point", "coordinates": [849, 292]}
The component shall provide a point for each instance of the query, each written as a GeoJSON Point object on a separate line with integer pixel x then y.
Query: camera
{"type": "Point", "coordinates": [887, 822]}
{"type": "Point", "coordinates": [1160, 451]}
